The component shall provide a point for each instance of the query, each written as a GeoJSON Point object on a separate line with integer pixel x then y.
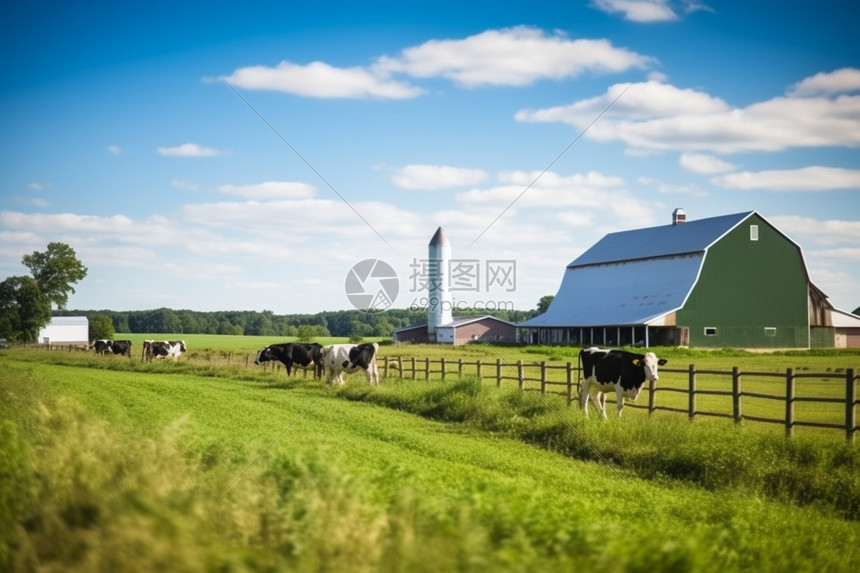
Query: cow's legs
{"type": "Point", "coordinates": [619, 398]}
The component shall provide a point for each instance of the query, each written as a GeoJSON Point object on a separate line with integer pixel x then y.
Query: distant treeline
{"type": "Point", "coordinates": [352, 323]}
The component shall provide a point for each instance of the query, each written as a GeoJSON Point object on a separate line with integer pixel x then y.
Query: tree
{"type": "Point", "coordinates": [55, 271]}
{"type": "Point", "coordinates": [101, 327]}
{"type": "Point", "coordinates": [544, 302]}
{"type": "Point", "coordinates": [24, 309]}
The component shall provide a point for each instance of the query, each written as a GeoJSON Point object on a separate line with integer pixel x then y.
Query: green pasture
{"type": "Point", "coordinates": [110, 464]}
{"type": "Point", "coordinates": [238, 352]}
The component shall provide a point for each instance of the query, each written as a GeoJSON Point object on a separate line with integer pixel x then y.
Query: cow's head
{"type": "Point", "coordinates": [650, 363]}
{"type": "Point", "coordinates": [264, 355]}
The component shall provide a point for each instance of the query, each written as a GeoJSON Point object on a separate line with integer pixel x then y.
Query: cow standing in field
{"type": "Point", "coordinates": [625, 372]}
{"type": "Point", "coordinates": [340, 359]}
{"type": "Point", "coordinates": [105, 346]}
{"type": "Point", "coordinates": [293, 353]}
{"type": "Point", "coordinates": [172, 349]}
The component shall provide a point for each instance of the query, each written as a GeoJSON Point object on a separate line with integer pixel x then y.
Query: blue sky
{"type": "Point", "coordinates": [217, 156]}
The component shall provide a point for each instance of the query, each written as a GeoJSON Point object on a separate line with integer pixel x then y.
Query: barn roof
{"type": "Point", "coordinates": [599, 295]}
{"type": "Point", "coordinates": [665, 240]}
{"type": "Point", "coordinates": [635, 277]}
{"type": "Point", "coordinates": [69, 321]}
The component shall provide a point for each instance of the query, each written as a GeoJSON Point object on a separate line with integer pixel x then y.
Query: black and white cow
{"type": "Point", "coordinates": [102, 346]}
{"type": "Point", "coordinates": [105, 346]}
{"type": "Point", "coordinates": [291, 353]}
{"type": "Point", "coordinates": [166, 348]}
{"type": "Point", "coordinates": [347, 358]}
{"type": "Point", "coordinates": [625, 372]}
{"type": "Point", "coordinates": [121, 347]}
{"type": "Point", "coordinates": [147, 349]}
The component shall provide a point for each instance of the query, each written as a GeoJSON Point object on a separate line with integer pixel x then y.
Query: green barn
{"type": "Point", "coordinates": [727, 281]}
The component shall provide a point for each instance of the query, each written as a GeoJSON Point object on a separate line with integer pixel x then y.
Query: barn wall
{"type": "Point", "coordinates": [822, 337]}
{"type": "Point", "coordinates": [488, 329]}
{"type": "Point", "coordinates": [417, 335]}
{"type": "Point", "coordinates": [753, 294]}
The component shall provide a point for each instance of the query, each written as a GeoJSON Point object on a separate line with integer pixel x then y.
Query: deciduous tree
{"type": "Point", "coordinates": [24, 309]}
{"type": "Point", "coordinates": [55, 271]}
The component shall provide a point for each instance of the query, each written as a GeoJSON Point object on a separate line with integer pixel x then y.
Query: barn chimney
{"type": "Point", "coordinates": [678, 216]}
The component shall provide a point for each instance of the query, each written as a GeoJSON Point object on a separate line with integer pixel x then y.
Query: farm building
{"type": "Point", "coordinates": [65, 330]}
{"type": "Point", "coordinates": [461, 331]}
{"type": "Point", "coordinates": [727, 281]}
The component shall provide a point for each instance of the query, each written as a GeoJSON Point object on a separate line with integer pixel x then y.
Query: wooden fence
{"type": "Point", "coordinates": [707, 392]}
{"type": "Point", "coordinates": [565, 380]}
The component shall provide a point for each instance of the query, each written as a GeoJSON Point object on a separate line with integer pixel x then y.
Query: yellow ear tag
{"type": "Point", "coordinates": [635, 362]}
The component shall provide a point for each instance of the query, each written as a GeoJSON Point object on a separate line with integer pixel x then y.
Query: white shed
{"type": "Point", "coordinates": [66, 330]}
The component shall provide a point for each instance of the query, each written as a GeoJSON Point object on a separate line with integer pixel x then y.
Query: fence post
{"type": "Point", "coordinates": [498, 372]}
{"type": "Point", "coordinates": [850, 398]}
{"type": "Point", "coordinates": [400, 367]}
{"type": "Point", "coordinates": [478, 370]}
{"type": "Point", "coordinates": [789, 402]}
{"type": "Point", "coordinates": [543, 377]}
{"type": "Point", "coordinates": [414, 373]}
{"type": "Point", "coordinates": [442, 362]}
{"type": "Point", "coordinates": [385, 367]}
{"type": "Point", "coordinates": [460, 367]}
{"type": "Point", "coordinates": [736, 395]}
{"type": "Point", "coordinates": [569, 384]}
{"type": "Point", "coordinates": [427, 369]}
{"type": "Point", "coordinates": [692, 396]}
{"type": "Point", "coordinates": [520, 374]}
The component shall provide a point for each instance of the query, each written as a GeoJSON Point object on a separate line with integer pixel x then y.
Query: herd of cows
{"type": "Point", "coordinates": [603, 370]}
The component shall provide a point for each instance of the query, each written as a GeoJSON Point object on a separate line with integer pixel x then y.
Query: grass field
{"type": "Point", "coordinates": [119, 465]}
{"type": "Point", "coordinates": [239, 352]}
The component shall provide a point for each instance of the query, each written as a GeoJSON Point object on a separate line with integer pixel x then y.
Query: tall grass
{"type": "Point", "coordinates": [127, 470]}
{"type": "Point", "coordinates": [711, 454]}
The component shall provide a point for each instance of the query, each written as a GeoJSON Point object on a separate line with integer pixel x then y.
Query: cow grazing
{"type": "Point", "coordinates": [102, 346]}
{"type": "Point", "coordinates": [293, 353]}
{"type": "Point", "coordinates": [625, 372]}
{"type": "Point", "coordinates": [105, 346]}
{"type": "Point", "coordinates": [121, 347]}
{"type": "Point", "coordinates": [165, 349]}
{"type": "Point", "coordinates": [147, 350]}
{"type": "Point", "coordinates": [346, 358]}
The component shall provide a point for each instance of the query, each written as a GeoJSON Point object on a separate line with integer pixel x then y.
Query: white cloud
{"type": "Point", "coordinates": [270, 190]}
{"type": "Point", "coordinates": [704, 164]}
{"type": "Point", "coordinates": [36, 186]}
{"type": "Point", "coordinates": [826, 232]}
{"type": "Point", "coordinates": [846, 80]}
{"type": "Point", "coordinates": [422, 176]}
{"type": "Point", "coordinates": [516, 56]}
{"type": "Point", "coordinates": [669, 189]}
{"type": "Point", "coordinates": [184, 185]}
{"type": "Point", "coordinates": [188, 150]}
{"type": "Point", "coordinates": [321, 80]}
{"type": "Point", "coordinates": [650, 11]}
{"type": "Point", "coordinates": [655, 116]}
{"type": "Point", "coordinates": [815, 178]}
{"type": "Point", "coordinates": [114, 150]}
{"type": "Point", "coordinates": [644, 11]}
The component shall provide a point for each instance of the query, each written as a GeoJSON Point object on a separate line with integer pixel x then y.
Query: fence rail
{"type": "Point", "coordinates": [707, 391]}
{"type": "Point", "coordinates": [565, 380]}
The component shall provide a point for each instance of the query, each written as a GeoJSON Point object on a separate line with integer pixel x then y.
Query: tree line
{"type": "Point", "coordinates": [26, 307]}
{"type": "Point", "coordinates": [349, 323]}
